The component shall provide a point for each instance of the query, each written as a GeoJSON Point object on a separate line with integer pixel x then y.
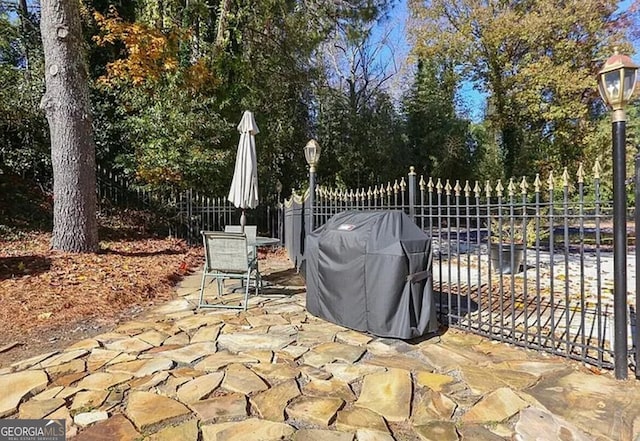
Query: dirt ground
{"type": "Point", "coordinates": [48, 300]}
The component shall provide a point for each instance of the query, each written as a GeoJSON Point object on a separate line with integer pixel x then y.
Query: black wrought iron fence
{"type": "Point", "coordinates": [530, 264]}
{"type": "Point", "coordinates": [183, 213]}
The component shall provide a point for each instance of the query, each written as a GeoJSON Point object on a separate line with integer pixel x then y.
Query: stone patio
{"type": "Point", "coordinates": [275, 372]}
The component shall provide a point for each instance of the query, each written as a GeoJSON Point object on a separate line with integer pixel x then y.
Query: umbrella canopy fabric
{"type": "Point", "coordinates": [244, 186]}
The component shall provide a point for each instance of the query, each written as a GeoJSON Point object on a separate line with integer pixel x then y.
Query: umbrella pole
{"type": "Point", "coordinates": [243, 221]}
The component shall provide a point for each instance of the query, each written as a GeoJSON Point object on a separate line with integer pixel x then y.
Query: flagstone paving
{"type": "Point", "coordinates": [275, 372]}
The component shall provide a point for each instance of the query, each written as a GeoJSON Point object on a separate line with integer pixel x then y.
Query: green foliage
{"type": "Point", "coordinates": [536, 60]}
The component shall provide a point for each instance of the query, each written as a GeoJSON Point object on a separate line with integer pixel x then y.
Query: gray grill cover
{"type": "Point", "coordinates": [371, 271]}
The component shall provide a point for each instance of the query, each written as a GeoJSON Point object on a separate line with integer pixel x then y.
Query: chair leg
{"type": "Point", "coordinates": [204, 276]}
{"type": "Point", "coordinates": [246, 291]}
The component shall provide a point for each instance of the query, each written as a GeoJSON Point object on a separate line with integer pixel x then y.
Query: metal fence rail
{"type": "Point", "coordinates": [530, 264]}
{"type": "Point", "coordinates": [184, 213]}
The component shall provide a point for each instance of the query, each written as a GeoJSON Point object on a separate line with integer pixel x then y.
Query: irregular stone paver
{"type": "Point", "coordinates": [400, 361]}
{"type": "Point", "coordinates": [240, 379]}
{"type": "Point", "coordinates": [351, 372]}
{"type": "Point", "coordinates": [537, 368]}
{"type": "Point", "coordinates": [432, 406]}
{"type": "Point", "coordinates": [87, 418]}
{"type": "Point", "coordinates": [329, 352]}
{"type": "Point", "coordinates": [563, 395]}
{"type": "Point", "coordinates": [221, 359]}
{"type": "Point", "coordinates": [246, 342]}
{"type": "Point", "coordinates": [49, 393]}
{"type": "Point", "coordinates": [444, 359]}
{"type": "Point", "coordinates": [372, 435]}
{"type": "Point", "coordinates": [123, 358]}
{"type": "Point", "coordinates": [360, 418]}
{"type": "Point", "coordinates": [65, 357]}
{"type": "Point", "coordinates": [199, 387]}
{"type": "Point", "coordinates": [38, 409]}
{"type": "Point", "coordinates": [141, 368]}
{"type": "Point", "coordinates": [173, 306]}
{"type": "Point", "coordinates": [179, 339]}
{"type": "Point", "coordinates": [131, 345]}
{"type": "Point", "coordinates": [15, 386]}
{"type": "Point", "coordinates": [251, 429]}
{"type": "Point", "coordinates": [532, 422]}
{"type": "Point", "coordinates": [100, 357]}
{"type": "Point", "coordinates": [71, 367]}
{"type": "Point", "coordinates": [275, 371]}
{"type": "Point", "coordinates": [387, 393]}
{"type": "Point", "coordinates": [206, 334]}
{"type": "Point", "coordinates": [146, 383]}
{"type": "Point", "coordinates": [223, 407]}
{"type": "Point", "coordinates": [495, 407]}
{"type": "Point", "coordinates": [87, 343]}
{"type": "Point", "coordinates": [329, 388]}
{"type": "Point", "coordinates": [477, 432]}
{"type": "Point", "coordinates": [437, 431]}
{"type": "Point", "coordinates": [89, 399]}
{"type": "Point", "coordinates": [487, 378]}
{"type": "Point", "coordinates": [187, 431]}
{"type": "Point", "coordinates": [262, 355]}
{"type": "Point", "coordinates": [266, 320]}
{"type": "Point", "coordinates": [433, 381]}
{"type": "Point", "coordinates": [190, 353]}
{"type": "Point", "coordinates": [311, 373]}
{"type": "Point", "coordinates": [115, 428]}
{"type": "Point", "coordinates": [170, 387]}
{"type": "Point", "coordinates": [353, 338]}
{"type": "Point", "coordinates": [311, 410]}
{"type": "Point", "coordinates": [321, 435]}
{"type": "Point", "coordinates": [153, 337]}
{"type": "Point", "coordinates": [293, 351]}
{"type": "Point", "coordinates": [102, 381]}
{"type": "Point", "coordinates": [30, 362]}
{"type": "Point", "coordinates": [146, 409]}
{"type": "Point", "coordinates": [272, 402]}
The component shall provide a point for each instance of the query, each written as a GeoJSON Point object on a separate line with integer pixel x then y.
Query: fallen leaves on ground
{"type": "Point", "coordinates": [44, 291]}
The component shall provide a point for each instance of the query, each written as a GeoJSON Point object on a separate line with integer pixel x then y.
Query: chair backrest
{"type": "Point", "coordinates": [251, 231]}
{"type": "Point", "coordinates": [225, 252]}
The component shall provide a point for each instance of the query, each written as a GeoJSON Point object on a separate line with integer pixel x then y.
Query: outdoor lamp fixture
{"type": "Point", "coordinates": [616, 82]}
{"type": "Point", "coordinates": [312, 155]}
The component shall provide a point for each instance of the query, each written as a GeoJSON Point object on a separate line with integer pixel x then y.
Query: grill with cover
{"type": "Point", "coordinates": [371, 271]}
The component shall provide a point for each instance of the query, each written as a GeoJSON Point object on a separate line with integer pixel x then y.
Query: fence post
{"type": "Point", "coordinates": [412, 193]}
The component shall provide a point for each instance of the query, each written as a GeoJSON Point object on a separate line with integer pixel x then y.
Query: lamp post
{"type": "Point", "coordinates": [280, 209]}
{"type": "Point", "coordinates": [616, 82]}
{"type": "Point", "coordinates": [312, 155]}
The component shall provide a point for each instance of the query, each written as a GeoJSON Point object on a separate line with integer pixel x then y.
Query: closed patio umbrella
{"type": "Point", "coordinates": [244, 186]}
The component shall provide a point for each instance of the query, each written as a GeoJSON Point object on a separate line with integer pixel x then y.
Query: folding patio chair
{"type": "Point", "coordinates": [227, 257]}
{"type": "Point", "coordinates": [251, 231]}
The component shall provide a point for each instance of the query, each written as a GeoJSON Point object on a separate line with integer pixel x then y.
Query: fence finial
{"type": "Point", "coordinates": [499, 188]}
{"type": "Point", "coordinates": [457, 188]}
{"type": "Point", "coordinates": [537, 183]}
{"type": "Point", "coordinates": [382, 191]}
{"type": "Point", "coordinates": [363, 195]}
{"type": "Point", "coordinates": [412, 170]}
{"type": "Point", "coordinates": [550, 181]}
{"type": "Point", "coordinates": [511, 187]}
{"type": "Point", "coordinates": [439, 186]}
{"type": "Point", "coordinates": [389, 188]}
{"type": "Point", "coordinates": [477, 190]}
{"type": "Point", "coordinates": [357, 194]}
{"type": "Point", "coordinates": [396, 187]}
{"type": "Point", "coordinates": [597, 169]}
{"type": "Point", "coordinates": [523, 185]}
{"type": "Point", "coordinates": [565, 178]}
{"type": "Point", "coordinates": [580, 174]}
{"type": "Point", "coordinates": [422, 184]}
{"type": "Point", "coordinates": [375, 192]}
{"type": "Point", "coordinates": [487, 189]}
{"type": "Point", "coordinates": [403, 185]}
{"type": "Point", "coordinates": [447, 188]}
{"type": "Point", "coordinates": [467, 189]}
{"type": "Point", "coordinates": [430, 185]}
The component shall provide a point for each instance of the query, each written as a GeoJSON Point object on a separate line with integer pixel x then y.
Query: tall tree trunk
{"type": "Point", "coordinates": [222, 24]}
{"type": "Point", "coordinates": [66, 105]}
{"type": "Point", "coordinates": [25, 24]}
